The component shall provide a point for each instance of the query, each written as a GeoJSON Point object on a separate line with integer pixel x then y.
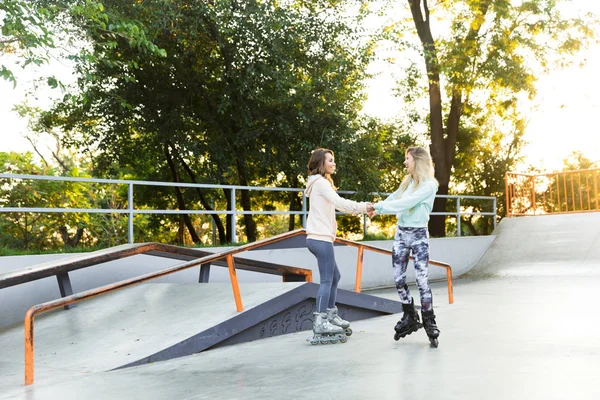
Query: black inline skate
{"type": "Point", "coordinates": [430, 327]}
{"type": "Point", "coordinates": [409, 322]}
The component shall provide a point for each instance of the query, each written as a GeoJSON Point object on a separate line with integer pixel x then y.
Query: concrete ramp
{"type": "Point", "coordinates": [543, 245]}
{"type": "Point", "coordinates": [160, 321]}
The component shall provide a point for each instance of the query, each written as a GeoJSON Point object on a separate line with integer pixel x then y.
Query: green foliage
{"type": "Point", "coordinates": [242, 97]}
{"type": "Point", "coordinates": [489, 58]}
{"type": "Point", "coordinates": [32, 28]}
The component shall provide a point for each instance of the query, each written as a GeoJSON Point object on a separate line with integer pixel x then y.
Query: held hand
{"type": "Point", "coordinates": [371, 210]}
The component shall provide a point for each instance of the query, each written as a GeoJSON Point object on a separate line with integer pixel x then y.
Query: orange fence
{"type": "Point", "coordinates": [552, 193]}
{"type": "Point", "coordinates": [227, 255]}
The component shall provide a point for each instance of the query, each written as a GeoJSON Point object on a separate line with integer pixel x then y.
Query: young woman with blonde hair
{"type": "Point", "coordinates": [321, 228]}
{"type": "Point", "coordinates": [412, 203]}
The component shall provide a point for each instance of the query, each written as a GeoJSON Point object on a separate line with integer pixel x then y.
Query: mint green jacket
{"type": "Point", "coordinates": [412, 208]}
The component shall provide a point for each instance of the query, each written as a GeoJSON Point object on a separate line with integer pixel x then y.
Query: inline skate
{"type": "Point", "coordinates": [325, 332]}
{"type": "Point", "coordinates": [334, 319]}
{"type": "Point", "coordinates": [430, 327]}
{"type": "Point", "coordinates": [409, 322]}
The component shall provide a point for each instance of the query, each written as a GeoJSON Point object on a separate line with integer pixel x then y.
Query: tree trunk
{"type": "Point", "coordinates": [204, 201]}
{"type": "Point", "coordinates": [246, 203]}
{"type": "Point", "coordinates": [180, 200]}
{"type": "Point", "coordinates": [229, 217]}
{"type": "Point", "coordinates": [295, 205]}
{"type": "Point", "coordinates": [437, 223]}
{"type": "Point", "coordinates": [67, 240]}
{"type": "Point", "coordinates": [443, 143]}
{"type": "Point", "coordinates": [469, 223]}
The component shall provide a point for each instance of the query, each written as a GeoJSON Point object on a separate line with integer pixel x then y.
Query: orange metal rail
{"type": "Point", "coordinates": [227, 255]}
{"type": "Point", "coordinates": [552, 193]}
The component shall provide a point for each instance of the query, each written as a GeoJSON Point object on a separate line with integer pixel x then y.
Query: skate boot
{"type": "Point", "coordinates": [409, 322]}
{"type": "Point", "coordinates": [335, 319]}
{"type": "Point", "coordinates": [324, 332]}
{"type": "Point", "coordinates": [430, 327]}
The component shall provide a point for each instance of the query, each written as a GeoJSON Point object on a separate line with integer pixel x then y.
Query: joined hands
{"type": "Point", "coordinates": [371, 210]}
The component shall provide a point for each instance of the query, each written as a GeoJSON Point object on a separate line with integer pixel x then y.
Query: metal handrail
{"type": "Point", "coordinates": [227, 254]}
{"type": "Point", "coordinates": [64, 301]}
{"type": "Point", "coordinates": [131, 211]}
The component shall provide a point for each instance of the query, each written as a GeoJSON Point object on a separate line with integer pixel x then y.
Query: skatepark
{"type": "Point", "coordinates": [521, 326]}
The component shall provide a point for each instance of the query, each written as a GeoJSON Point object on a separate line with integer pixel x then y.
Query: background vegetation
{"type": "Point", "coordinates": [239, 92]}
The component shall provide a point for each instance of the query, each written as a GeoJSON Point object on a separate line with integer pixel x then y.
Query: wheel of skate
{"type": "Point", "coordinates": [434, 342]}
{"type": "Point", "coordinates": [348, 331]}
{"type": "Point", "coordinates": [396, 336]}
{"type": "Point", "coordinates": [333, 341]}
{"type": "Point", "coordinates": [343, 339]}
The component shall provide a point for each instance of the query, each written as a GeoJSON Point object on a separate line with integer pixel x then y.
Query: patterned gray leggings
{"type": "Point", "coordinates": [417, 241]}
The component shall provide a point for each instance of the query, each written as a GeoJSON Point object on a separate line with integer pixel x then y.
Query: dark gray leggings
{"type": "Point", "coordinates": [329, 272]}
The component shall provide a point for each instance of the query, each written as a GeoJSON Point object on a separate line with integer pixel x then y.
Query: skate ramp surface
{"type": "Point", "coordinates": [524, 328]}
{"type": "Point", "coordinates": [500, 340]}
{"type": "Point", "coordinates": [551, 245]}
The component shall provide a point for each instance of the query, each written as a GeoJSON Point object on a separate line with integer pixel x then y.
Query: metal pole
{"type": "Point", "coordinates": [304, 210]}
{"type": "Point", "coordinates": [233, 217]}
{"type": "Point", "coordinates": [495, 214]}
{"type": "Point", "coordinates": [130, 201]}
{"type": "Point", "coordinates": [458, 215]}
{"type": "Point", "coordinates": [533, 201]}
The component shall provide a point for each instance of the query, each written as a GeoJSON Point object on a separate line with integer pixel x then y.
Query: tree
{"type": "Point", "coordinates": [485, 151]}
{"type": "Point", "coordinates": [32, 28]}
{"type": "Point", "coordinates": [243, 80]}
{"type": "Point", "coordinates": [492, 46]}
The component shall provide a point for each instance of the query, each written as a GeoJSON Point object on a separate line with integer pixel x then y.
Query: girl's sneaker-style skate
{"type": "Point", "coordinates": [430, 327]}
{"type": "Point", "coordinates": [325, 332]}
{"type": "Point", "coordinates": [409, 322]}
{"type": "Point", "coordinates": [335, 319]}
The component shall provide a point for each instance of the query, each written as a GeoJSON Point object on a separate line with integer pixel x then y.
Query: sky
{"type": "Point", "coordinates": [562, 118]}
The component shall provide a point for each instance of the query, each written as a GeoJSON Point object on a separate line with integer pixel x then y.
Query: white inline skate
{"type": "Point", "coordinates": [325, 332]}
{"type": "Point", "coordinates": [334, 319]}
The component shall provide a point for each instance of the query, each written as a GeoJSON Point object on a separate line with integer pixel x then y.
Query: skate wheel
{"type": "Point", "coordinates": [343, 339]}
{"type": "Point", "coordinates": [334, 341]}
{"type": "Point", "coordinates": [396, 336]}
{"type": "Point", "coordinates": [312, 340]}
{"type": "Point", "coordinates": [348, 331]}
{"type": "Point", "coordinates": [434, 342]}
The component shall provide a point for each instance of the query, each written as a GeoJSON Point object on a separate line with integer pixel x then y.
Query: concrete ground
{"type": "Point", "coordinates": [522, 327]}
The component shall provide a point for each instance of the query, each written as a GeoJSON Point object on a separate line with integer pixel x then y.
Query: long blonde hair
{"type": "Point", "coordinates": [316, 164]}
{"type": "Point", "coordinates": [423, 170]}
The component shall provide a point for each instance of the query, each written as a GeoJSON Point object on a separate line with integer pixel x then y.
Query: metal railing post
{"type": "Point", "coordinates": [233, 217]}
{"type": "Point", "coordinates": [458, 214]}
{"type": "Point", "coordinates": [533, 200]}
{"type": "Point", "coordinates": [495, 214]}
{"type": "Point", "coordinates": [130, 208]}
{"type": "Point", "coordinates": [304, 209]}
